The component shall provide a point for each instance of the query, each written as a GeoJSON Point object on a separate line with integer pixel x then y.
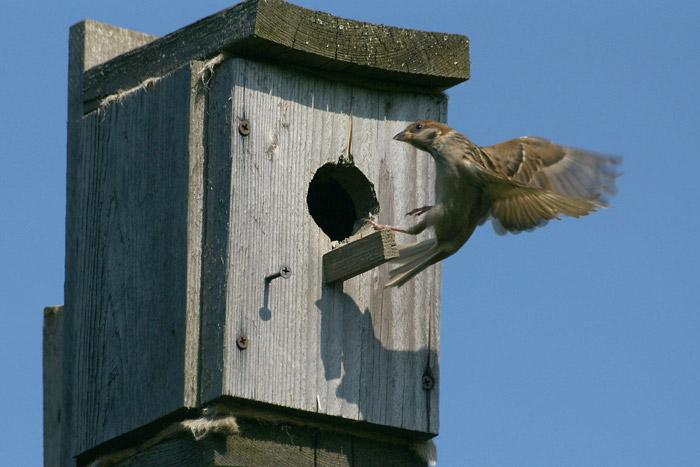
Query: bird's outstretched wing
{"type": "Point", "coordinates": [533, 180]}
{"type": "Point", "coordinates": [516, 208]}
{"type": "Point", "coordinates": [538, 162]}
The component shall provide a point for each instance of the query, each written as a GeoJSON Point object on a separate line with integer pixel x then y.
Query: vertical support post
{"type": "Point", "coordinates": [53, 395]}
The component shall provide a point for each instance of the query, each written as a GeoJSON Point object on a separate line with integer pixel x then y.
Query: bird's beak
{"type": "Point", "coordinates": [403, 136]}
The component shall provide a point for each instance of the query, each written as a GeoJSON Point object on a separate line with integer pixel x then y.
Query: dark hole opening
{"type": "Point", "coordinates": [340, 198]}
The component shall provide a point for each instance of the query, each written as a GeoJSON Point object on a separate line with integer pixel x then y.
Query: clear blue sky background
{"type": "Point", "coordinates": [577, 344]}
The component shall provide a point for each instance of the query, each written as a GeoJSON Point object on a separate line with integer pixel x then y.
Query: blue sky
{"type": "Point", "coordinates": [577, 344]}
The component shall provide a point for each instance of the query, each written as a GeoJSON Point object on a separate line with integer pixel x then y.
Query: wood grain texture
{"type": "Point", "coordinates": [107, 41]}
{"type": "Point", "coordinates": [265, 435]}
{"type": "Point", "coordinates": [52, 377]}
{"type": "Point", "coordinates": [360, 52]}
{"type": "Point", "coordinates": [357, 351]}
{"type": "Point", "coordinates": [174, 219]}
{"type": "Point", "coordinates": [359, 256]}
{"type": "Point", "coordinates": [90, 44]}
{"type": "Point", "coordinates": [133, 276]}
{"type": "Point", "coordinates": [196, 137]}
{"type": "Point", "coordinates": [265, 443]}
{"type": "Point", "coordinates": [273, 30]}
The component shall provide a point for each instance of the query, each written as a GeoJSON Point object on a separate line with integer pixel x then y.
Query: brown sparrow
{"type": "Point", "coordinates": [519, 184]}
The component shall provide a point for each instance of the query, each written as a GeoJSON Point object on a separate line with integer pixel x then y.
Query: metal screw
{"type": "Point", "coordinates": [284, 272]}
{"type": "Point", "coordinates": [242, 341]}
{"type": "Point", "coordinates": [244, 128]}
{"type": "Point", "coordinates": [428, 382]}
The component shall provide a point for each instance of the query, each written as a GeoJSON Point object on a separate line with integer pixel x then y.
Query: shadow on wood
{"type": "Point", "coordinates": [404, 379]}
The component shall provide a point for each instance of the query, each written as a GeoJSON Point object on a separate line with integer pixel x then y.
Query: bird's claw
{"type": "Point", "coordinates": [383, 227]}
{"type": "Point", "coordinates": [419, 211]}
{"type": "Point", "coordinates": [375, 225]}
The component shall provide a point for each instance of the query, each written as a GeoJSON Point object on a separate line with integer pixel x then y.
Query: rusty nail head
{"type": "Point", "coordinates": [428, 382]}
{"type": "Point", "coordinates": [242, 341]}
{"type": "Point", "coordinates": [244, 127]}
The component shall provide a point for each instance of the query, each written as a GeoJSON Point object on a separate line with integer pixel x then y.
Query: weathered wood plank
{"type": "Point", "coordinates": [195, 230]}
{"type": "Point", "coordinates": [349, 50]}
{"type": "Point", "coordinates": [91, 43]}
{"type": "Point", "coordinates": [53, 393]}
{"type": "Point", "coordinates": [106, 41]}
{"type": "Point", "coordinates": [370, 53]}
{"type": "Point", "coordinates": [134, 271]}
{"type": "Point", "coordinates": [359, 256]}
{"type": "Point", "coordinates": [397, 322]}
{"type": "Point", "coordinates": [267, 437]}
{"type": "Point", "coordinates": [268, 444]}
{"type": "Point", "coordinates": [357, 351]}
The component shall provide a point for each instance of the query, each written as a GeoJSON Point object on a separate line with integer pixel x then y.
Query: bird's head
{"type": "Point", "coordinates": [422, 134]}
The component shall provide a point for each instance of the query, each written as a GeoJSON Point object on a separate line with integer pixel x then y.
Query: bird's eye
{"type": "Point", "coordinates": [419, 127]}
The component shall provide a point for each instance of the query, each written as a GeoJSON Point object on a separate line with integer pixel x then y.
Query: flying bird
{"type": "Point", "coordinates": [519, 184]}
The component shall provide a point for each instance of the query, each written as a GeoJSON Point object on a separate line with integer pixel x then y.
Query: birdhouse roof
{"type": "Point", "coordinates": [362, 53]}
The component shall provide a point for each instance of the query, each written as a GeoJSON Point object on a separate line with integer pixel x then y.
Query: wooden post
{"type": "Point", "coordinates": [201, 163]}
{"type": "Point", "coordinates": [53, 395]}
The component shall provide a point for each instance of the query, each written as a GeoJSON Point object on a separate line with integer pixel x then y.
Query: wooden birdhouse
{"type": "Point", "coordinates": [209, 173]}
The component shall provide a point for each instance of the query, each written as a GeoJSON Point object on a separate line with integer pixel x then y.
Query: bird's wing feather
{"type": "Point", "coordinates": [537, 162]}
{"type": "Point", "coordinates": [516, 208]}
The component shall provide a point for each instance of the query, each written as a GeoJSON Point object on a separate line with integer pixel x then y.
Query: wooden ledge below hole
{"type": "Point", "coordinates": [359, 256]}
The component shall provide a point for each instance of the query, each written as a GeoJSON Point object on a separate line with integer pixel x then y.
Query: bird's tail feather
{"type": "Point", "coordinates": [414, 258]}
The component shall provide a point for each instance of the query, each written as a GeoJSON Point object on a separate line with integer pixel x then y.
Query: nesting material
{"type": "Point", "coordinates": [207, 71]}
{"type": "Point", "coordinates": [214, 419]}
{"type": "Point", "coordinates": [121, 94]}
{"type": "Point", "coordinates": [205, 75]}
{"type": "Point", "coordinates": [217, 419]}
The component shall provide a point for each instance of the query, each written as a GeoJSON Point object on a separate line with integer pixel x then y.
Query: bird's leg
{"type": "Point", "coordinates": [382, 227]}
{"type": "Point", "coordinates": [418, 228]}
{"type": "Point", "coordinates": [415, 230]}
{"type": "Point", "coordinates": [419, 211]}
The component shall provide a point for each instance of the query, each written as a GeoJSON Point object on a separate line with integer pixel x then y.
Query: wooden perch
{"type": "Point", "coordinates": [359, 256]}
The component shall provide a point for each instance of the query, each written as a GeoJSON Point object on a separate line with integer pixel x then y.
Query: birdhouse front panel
{"type": "Point", "coordinates": [295, 165]}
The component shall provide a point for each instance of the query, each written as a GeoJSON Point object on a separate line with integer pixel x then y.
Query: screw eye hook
{"type": "Point", "coordinates": [285, 272]}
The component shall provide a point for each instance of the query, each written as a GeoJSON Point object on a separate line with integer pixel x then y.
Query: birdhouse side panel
{"type": "Point", "coordinates": [126, 272]}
